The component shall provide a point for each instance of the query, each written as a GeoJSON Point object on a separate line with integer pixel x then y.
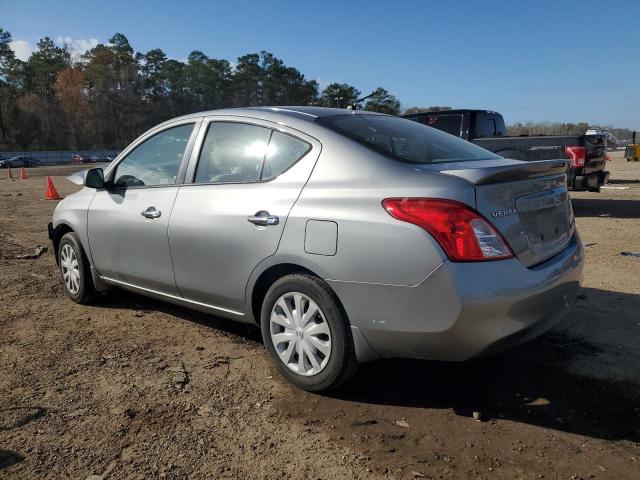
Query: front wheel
{"type": "Point", "coordinates": [74, 269]}
{"type": "Point", "coordinates": [306, 333]}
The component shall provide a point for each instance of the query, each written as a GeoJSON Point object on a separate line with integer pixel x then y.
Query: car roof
{"type": "Point", "coordinates": [299, 118]}
{"type": "Point", "coordinates": [309, 114]}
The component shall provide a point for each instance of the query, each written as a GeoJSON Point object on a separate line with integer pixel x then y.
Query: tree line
{"type": "Point", "coordinates": [547, 128]}
{"type": "Point", "coordinates": [108, 95]}
{"type": "Point", "coordinates": [557, 128]}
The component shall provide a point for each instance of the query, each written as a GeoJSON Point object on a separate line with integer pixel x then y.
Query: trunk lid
{"type": "Point", "coordinates": [527, 202]}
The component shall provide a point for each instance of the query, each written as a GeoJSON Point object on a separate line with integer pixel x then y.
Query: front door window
{"type": "Point", "coordinates": [155, 161]}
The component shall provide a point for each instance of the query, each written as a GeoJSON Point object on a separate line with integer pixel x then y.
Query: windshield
{"type": "Point", "coordinates": [404, 140]}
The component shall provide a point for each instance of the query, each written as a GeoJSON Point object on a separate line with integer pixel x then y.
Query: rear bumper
{"type": "Point", "coordinates": [464, 310]}
{"type": "Point", "coordinates": [589, 181]}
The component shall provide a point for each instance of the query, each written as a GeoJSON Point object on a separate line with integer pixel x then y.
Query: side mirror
{"type": "Point", "coordinates": [94, 178]}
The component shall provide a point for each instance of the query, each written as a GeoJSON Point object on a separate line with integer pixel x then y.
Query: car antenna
{"type": "Point", "coordinates": [354, 105]}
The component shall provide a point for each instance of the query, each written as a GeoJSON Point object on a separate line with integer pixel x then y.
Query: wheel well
{"type": "Point", "coordinates": [271, 275]}
{"type": "Point", "coordinates": [58, 233]}
{"type": "Point", "coordinates": [266, 279]}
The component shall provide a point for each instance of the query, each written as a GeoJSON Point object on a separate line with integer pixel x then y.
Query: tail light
{"type": "Point", "coordinates": [463, 233]}
{"type": "Point", "coordinates": [577, 155]}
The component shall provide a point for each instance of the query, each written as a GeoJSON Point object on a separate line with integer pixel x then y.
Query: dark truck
{"type": "Point", "coordinates": [486, 129]}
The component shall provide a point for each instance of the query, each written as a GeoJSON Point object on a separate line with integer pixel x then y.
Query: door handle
{"type": "Point", "coordinates": [263, 218]}
{"type": "Point", "coordinates": [151, 212]}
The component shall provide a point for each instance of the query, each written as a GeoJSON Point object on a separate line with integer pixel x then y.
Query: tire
{"type": "Point", "coordinates": [78, 284]}
{"type": "Point", "coordinates": [339, 364]}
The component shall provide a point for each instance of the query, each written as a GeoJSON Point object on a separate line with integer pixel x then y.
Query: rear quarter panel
{"type": "Point", "coordinates": [347, 187]}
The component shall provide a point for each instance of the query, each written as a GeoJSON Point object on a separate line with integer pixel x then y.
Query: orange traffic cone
{"type": "Point", "coordinates": [9, 174]}
{"type": "Point", "coordinates": [51, 193]}
{"type": "Point", "coordinates": [23, 174]}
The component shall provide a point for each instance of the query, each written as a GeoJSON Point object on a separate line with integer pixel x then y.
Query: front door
{"type": "Point", "coordinates": [230, 214]}
{"type": "Point", "coordinates": [128, 221]}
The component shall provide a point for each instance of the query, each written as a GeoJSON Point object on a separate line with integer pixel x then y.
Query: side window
{"type": "Point", "coordinates": [232, 152]}
{"type": "Point", "coordinates": [501, 131]}
{"type": "Point", "coordinates": [283, 151]}
{"type": "Point", "coordinates": [485, 126]}
{"type": "Point", "coordinates": [156, 160]}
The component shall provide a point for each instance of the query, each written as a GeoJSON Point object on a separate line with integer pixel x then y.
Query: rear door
{"type": "Point", "coordinates": [127, 222]}
{"type": "Point", "coordinates": [243, 179]}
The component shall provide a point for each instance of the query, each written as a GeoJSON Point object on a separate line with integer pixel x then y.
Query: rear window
{"type": "Point", "coordinates": [447, 123]}
{"type": "Point", "coordinates": [405, 140]}
{"type": "Point", "coordinates": [282, 152]}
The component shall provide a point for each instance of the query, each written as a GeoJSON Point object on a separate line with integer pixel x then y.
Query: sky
{"type": "Point", "coordinates": [561, 60]}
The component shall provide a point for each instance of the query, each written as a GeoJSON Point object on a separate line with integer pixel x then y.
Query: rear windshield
{"type": "Point", "coordinates": [447, 123]}
{"type": "Point", "coordinates": [405, 140]}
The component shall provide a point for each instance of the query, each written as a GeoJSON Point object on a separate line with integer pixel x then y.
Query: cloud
{"type": "Point", "coordinates": [77, 46]}
{"type": "Point", "coordinates": [22, 48]}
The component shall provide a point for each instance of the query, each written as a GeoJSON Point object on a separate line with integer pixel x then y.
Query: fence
{"type": "Point", "coordinates": [60, 157]}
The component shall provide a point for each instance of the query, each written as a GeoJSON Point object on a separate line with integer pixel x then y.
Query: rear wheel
{"type": "Point", "coordinates": [74, 269]}
{"type": "Point", "coordinates": [306, 333]}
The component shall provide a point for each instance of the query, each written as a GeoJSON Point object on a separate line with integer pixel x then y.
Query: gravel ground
{"type": "Point", "coordinates": [134, 388]}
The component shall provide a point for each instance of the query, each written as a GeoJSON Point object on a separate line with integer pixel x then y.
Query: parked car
{"type": "Point", "coordinates": [91, 159]}
{"type": "Point", "coordinates": [97, 159]}
{"type": "Point", "coordinates": [486, 129]}
{"type": "Point", "coordinates": [19, 161]}
{"type": "Point", "coordinates": [346, 236]}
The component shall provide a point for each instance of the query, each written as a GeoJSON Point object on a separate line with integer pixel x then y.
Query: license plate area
{"type": "Point", "coordinates": [547, 219]}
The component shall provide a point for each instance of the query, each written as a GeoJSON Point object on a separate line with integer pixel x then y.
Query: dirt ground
{"type": "Point", "coordinates": [135, 388]}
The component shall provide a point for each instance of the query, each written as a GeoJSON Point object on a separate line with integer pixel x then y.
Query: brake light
{"type": "Point", "coordinates": [577, 155]}
{"type": "Point", "coordinates": [463, 233]}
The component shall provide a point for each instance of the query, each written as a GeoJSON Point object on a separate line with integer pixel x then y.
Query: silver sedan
{"type": "Point", "coordinates": [346, 236]}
